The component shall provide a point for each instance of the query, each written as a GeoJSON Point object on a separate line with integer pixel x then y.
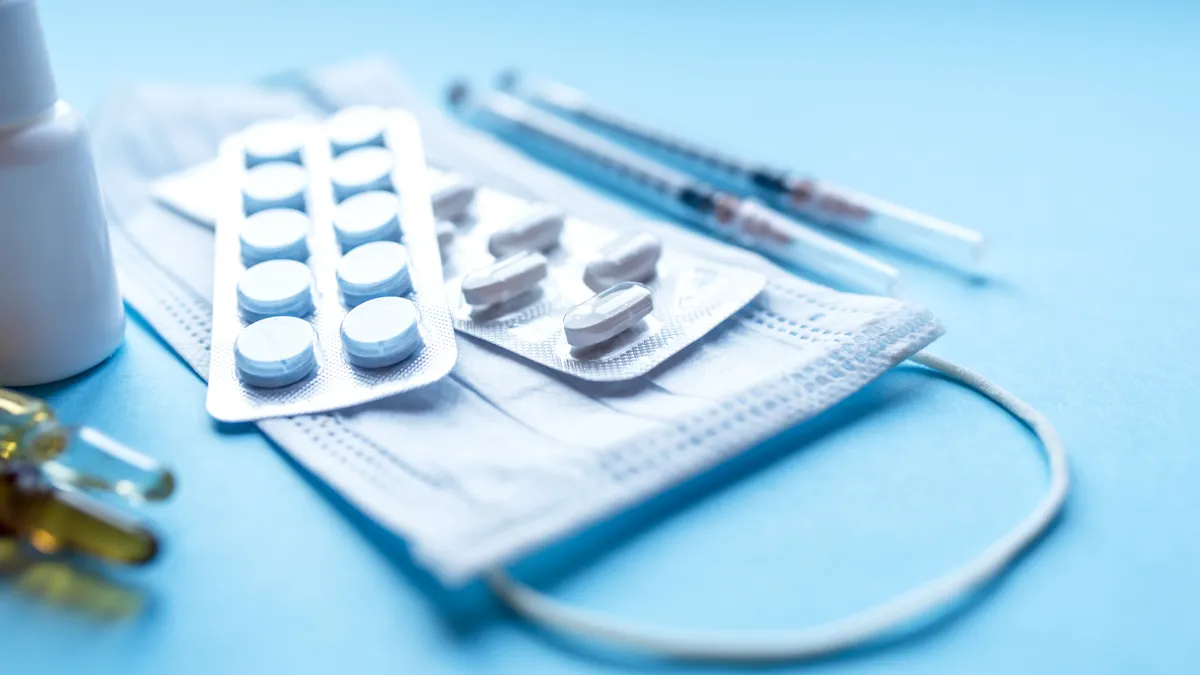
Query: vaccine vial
{"type": "Point", "coordinates": [60, 308]}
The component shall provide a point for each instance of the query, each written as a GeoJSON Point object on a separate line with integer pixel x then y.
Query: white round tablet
{"type": "Point", "coordinates": [363, 169]}
{"type": "Point", "coordinates": [381, 332]}
{"type": "Point", "coordinates": [373, 271]}
{"type": "Point", "coordinates": [274, 185]}
{"type": "Point", "coordinates": [367, 216]}
{"type": "Point", "coordinates": [355, 127]}
{"type": "Point", "coordinates": [275, 288]}
{"type": "Point", "coordinates": [274, 234]}
{"type": "Point", "coordinates": [275, 352]}
{"type": "Point", "coordinates": [273, 141]}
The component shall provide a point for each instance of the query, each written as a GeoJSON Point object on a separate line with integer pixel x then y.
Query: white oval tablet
{"type": "Point", "coordinates": [607, 314]}
{"type": "Point", "coordinates": [275, 352]}
{"type": "Point", "coordinates": [381, 332]}
{"type": "Point", "coordinates": [373, 271]}
{"type": "Point", "coordinates": [274, 185]}
{"type": "Point", "coordinates": [274, 234]}
{"type": "Point", "coordinates": [537, 231]}
{"type": "Point", "coordinates": [362, 169]}
{"type": "Point", "coordinates": [367, 216]}
{"type": "Point", "coordinates": [273, 141]}
{"type": "Point", "coordinates": [631, 257]}
{"type": "Point", "coordinates": [355, 127]}
{"type": "Point", "coordinates": [452, 199]}
{"type": "Point", "coordinates": [504, 280]}
{"type": "Point", "coordinates": [275, 288]}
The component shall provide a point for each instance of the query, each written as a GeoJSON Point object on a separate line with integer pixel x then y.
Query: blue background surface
{"type": "Point", "coordinates": [1069, 133]}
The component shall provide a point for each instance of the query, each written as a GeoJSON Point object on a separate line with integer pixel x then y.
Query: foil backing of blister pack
{"type": "Point", "coordinates": [692, 295]}
{"type": "Point", "coordinates": [335, 383]}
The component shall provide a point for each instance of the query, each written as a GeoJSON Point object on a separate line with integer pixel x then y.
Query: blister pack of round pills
{"type": "Point", "coordinates": [581, 298]}
{"type": "Point", "coordinates": [328, 287]}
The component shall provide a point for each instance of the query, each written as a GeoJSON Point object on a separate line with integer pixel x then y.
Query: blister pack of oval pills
{"type": "Point", "coordinates": [581, 298]}
{"type": "Point", "coordinates": [328, 288]}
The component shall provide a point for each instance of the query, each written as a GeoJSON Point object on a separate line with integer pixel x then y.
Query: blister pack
{"type": "Point", "coordinates": [328, 288]}
{"type": "Point", "coordinates": [572, 295]}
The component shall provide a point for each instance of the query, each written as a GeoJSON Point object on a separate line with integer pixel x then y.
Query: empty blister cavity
{"type": "Point", "coordinates": [275, 352]}
{"type": "Point", "coordinates": [274, 141]}
{"type": "Point", "coordinates": [356, 127]}
{"type": "Point", "coordinates": [452, 197]}
{"type": "Point", "coordinates": [504, 280]}
{"type": "Point", "coordinates": [381, 332]}
{"type": "Point", "coordinates": [275, 288]}
{"type": "Point", "coordinates": [366, 217]}
{"type": "Point", "coordinates": [274, 185]}
{"type": "Point", "coordinates": [631, 257]}
{"type": "Point", "coordinates": [539, 230]}
{"type": "Point", "coordinates": [274, 234]}
{"type": "Point", "coordinates": [372, 271]}
{"type": "Point", "coordinates": [362, 169]}
{"type": "Point", "coordinates": [607, 314]}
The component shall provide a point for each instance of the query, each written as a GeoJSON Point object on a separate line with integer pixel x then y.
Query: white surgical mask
{"type": "Point", "coordinates": [502, 457]}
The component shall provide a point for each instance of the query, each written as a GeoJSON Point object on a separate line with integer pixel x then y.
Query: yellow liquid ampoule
{"type": "Point", "coordinates": [81, 456]}
{"type": "Point", "coordinates": [55, 520]}
{"type": "Point", "coordinates": [60, 584]}
{"type": "Point", "coordinates": [19, 415]}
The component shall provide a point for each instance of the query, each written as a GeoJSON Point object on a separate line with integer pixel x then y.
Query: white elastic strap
{"type": "Point", "coordinates": [841, 634]}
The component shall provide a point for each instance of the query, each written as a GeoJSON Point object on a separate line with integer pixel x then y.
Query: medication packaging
{"type": "Point", "coordinates": [583, 299]}
{"type": "Point", "coordinates": [328, 282]}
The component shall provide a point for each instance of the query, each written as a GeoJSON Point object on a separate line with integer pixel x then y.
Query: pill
{"type": "Point", "coordinates": [275, 352]}
{"type": "Point", "coordinates": [274, 234]}
{"type": "Point", "coordinates": [373, 271]}
{"type": "Point", "coordinates": [607, 314]}
{"type": "Point", "coordinates": [381, 332]}
{"type": "Point", "coordinates": [630, 257]}
{"type": "Point", "coordinates": [537, 231]}
{"type": "Point", "coordinates": [451, 201]}
{"type": "Point", "coordinates": [355, 127]}
{"type": "Point", "coordinates": [273, 141]}
{"type": "Point", "coordinates": [504, 280]}
{"type": "Point", "coordinates": [362, 169]}
{"type": "Point", "coordinates": [366, 217]}
{"type": "Point", "coordinates": [275, 288]}
{"type": "Point", "coordinates": [274, 185]}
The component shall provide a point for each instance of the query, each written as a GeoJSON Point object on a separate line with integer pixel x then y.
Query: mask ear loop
{"type": "Point", "coordinates": [840, 634]}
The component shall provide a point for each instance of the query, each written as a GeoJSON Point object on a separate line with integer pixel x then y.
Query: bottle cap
{"type": "Point", "coordinates": [25, 75]}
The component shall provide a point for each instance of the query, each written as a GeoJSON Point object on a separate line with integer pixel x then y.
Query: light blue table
{"type": "Point", "coordinates": [1070, 134]}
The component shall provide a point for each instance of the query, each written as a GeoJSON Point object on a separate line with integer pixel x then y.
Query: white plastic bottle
{"type": "Point", "coordinates": [60, 308]}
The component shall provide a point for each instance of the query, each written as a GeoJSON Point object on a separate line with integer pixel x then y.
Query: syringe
{"type": "Point", "coordinates": [743, 221]}
{"type": "Point", "coordinates": [825, 203]}
{"type": "Point", "coordinates": [78, 456]}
